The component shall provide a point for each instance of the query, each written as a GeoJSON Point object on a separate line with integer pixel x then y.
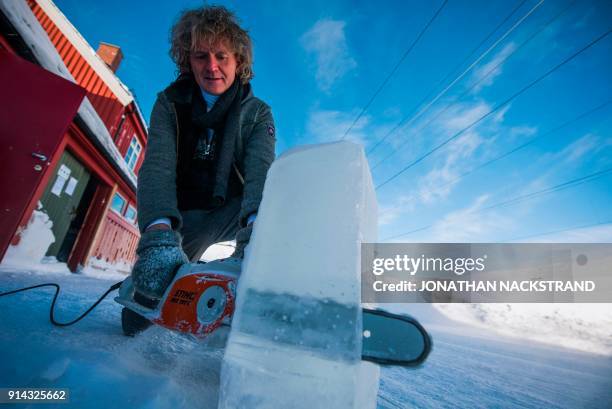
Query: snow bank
{"type": "Point", "coordinates": [34, 242]}
{"type": "Point", "coordinates": [35, 239]}
{"type": "Point", "coordinates": [585, 327]}
{"type": "Point", "coordinates": [105, 270]}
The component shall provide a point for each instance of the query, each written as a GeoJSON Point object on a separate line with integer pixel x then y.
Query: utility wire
{"type": "Point", "coordinates": [553, 189]}
{"type": "Point", "coordinates": [524, 145]}
{"type": "Point", "coordinates": [475, 84]}
{"type": "Point", "coordinates": [380, 88]}
{"type": "Point", "coordinates": [468, 69]}
{"type": "Point", "coordinates": [529, 142]}
{"type": "Point", "coordinates": [498, 106]}
{"type": "Point", "coordinates": [584, 226]}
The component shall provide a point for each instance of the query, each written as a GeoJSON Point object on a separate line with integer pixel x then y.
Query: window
{"type": "Point", "coordinates": [130, 214]}
{"type": "Point", "coordinates": [118, 203]}
{"type": "Point", "coordinates": [131, 156]}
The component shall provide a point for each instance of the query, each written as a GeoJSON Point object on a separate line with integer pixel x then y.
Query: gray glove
{"type": "Point", "coordinates": [159, 254]}
{"type": "Point", "coordinates": [242, 239]}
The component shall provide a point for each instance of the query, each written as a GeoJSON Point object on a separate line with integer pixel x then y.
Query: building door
{"type": "Point", "coordinates": [64, 202]}
{"type": "Point", "coordinates": [37, 108]}
{"type": "Point", "coordinates": [77, 221]}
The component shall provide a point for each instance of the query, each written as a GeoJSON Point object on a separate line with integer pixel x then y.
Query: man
{"type": "Point", "coordinates": [210, 145]}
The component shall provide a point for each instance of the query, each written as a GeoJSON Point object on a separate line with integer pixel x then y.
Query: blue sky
{"type": "Point", "coordinates": [318, 63]}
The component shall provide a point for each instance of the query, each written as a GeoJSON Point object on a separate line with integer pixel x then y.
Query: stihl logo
{"type": "Point", "coordinates": [183, 297]}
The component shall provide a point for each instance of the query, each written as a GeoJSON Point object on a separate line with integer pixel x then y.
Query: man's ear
{"type": "Point", "coordinates": [239, 63]}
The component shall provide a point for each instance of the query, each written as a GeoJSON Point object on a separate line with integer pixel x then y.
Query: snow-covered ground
{"type": "Point", "coordinates": [581, 326]}
{"type": "Point", "coordinates": [488, 355]}
{"type": "Point", "coordinates": [473, 366]}
{"type": "Point", "coordinates": [469, 366]}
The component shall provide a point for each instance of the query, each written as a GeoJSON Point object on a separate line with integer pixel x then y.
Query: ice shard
{"type": "Point", "coordinates": [296, 334]}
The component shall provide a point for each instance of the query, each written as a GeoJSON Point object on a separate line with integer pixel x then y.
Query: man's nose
{"type": "Point", "coordinates": [212, 64]}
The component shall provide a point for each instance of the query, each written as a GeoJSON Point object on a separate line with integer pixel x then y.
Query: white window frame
{"type": "Point", "coordinates": [123, 207]}
{"type": "Point", "coordinates": [133, 221]}
{"type": "Point", "coordinates": [133, 153]}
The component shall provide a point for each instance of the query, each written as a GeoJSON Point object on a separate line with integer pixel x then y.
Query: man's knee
{"type": "Point", "coordinates": [202, 228]}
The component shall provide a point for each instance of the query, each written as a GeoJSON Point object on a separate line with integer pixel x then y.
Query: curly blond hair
{"type": "Point", "coordinates": [210, 25]}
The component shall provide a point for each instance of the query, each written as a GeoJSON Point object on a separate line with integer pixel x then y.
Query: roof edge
{"type": "Point", "coordinates": [89, 54]}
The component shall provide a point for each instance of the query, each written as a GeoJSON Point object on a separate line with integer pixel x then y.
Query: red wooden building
{"type": "Point", "coordinates": [82, 170]}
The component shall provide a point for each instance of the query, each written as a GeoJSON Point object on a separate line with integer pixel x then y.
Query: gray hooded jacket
{"type": "Point", "coordinates": [254, 153]}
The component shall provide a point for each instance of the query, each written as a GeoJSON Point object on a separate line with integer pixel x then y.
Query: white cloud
{"type": "Point", "coordinates": [418, 135]}
{"type": "Point", "coordinates": [330, 125]}
{"type": "Point", "coordinates": [564, 160]}
{"type": "Point", "coordinates": [388, 214]}
{"type": "Point", "coordinates": [584, 20]}
{"type": "Point", "coordinates": [459, 155]}
{"type": "Point", "coordinates": [465, 225]}
{"type": "Point", "coordinates": [462, 115]}
{"type": "Point", "coordinates": [469, 224]}
{"type": "Point", "coordinates": [439, 181]}
{"type": "Point", "coordinates": [572, 153]}
{"type": "Point", "coordinates": [486, 74]}
{"type": "Point", "coordinates": [579, 148]}
{"type": "Point", "coordinates": [327, 42]}
{"type": "Point", "coordinates": [472, 148]}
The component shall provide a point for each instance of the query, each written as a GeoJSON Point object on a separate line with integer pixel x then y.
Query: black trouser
{"type": "Point", "coordinates": [202, 228]}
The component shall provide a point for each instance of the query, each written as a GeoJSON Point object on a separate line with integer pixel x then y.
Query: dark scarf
{"type": "Point", "coordinates": [224, 119]}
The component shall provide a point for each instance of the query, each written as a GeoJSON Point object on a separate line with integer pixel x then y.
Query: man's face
{"type": "Point", "coordinates": [214, 67]}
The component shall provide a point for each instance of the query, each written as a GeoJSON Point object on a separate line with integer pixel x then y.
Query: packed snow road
{"type": "Point", "coordinates": [159, 369]}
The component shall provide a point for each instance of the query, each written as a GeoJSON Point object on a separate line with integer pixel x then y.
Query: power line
{"type": "Point", "coordinates": [497, 107]}
{"type": "Point", "coordinates": [468, 69]}
{"type": "Point", "coordinates": [475, 84]}
{"type": "Point", "coordinates": [529, 142]}
{"type": "Point", "coordinates": [553, 189]}
{"type": "Point", "coordinates": [408, 232]}
{"type": "Point", "coordinates": [365, 108]}
{"type": "Point", "coordinates": [584, 226]}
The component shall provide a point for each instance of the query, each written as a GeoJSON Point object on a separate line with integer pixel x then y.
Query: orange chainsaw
{"type": "Point", "coordinates": [201, 298]}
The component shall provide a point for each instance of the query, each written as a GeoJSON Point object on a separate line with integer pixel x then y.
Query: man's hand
{"type": "Point", "coordinates": [242, 239]}
{"type": "Point", "coordinates": [159, 255]}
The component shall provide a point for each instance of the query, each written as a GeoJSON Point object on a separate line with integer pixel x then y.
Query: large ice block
{"type": "Point", "coordinates": [296, 333]}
